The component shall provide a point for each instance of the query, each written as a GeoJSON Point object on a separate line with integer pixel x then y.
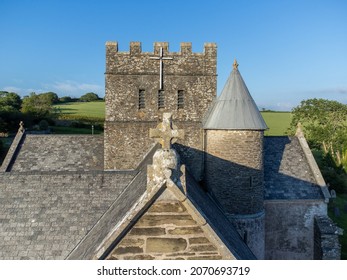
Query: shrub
{"type": "Point", "coordinates": [43, 125]}
{"type": "Point", "coordinates": [90, 96]}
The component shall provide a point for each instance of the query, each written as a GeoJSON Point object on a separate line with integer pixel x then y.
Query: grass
{"type": "Point", "coordinates": [341, 203]}
{"type": "Point", "coordinates": [87, 109]}
{"type": "Point", "coordinates": [278, 122]}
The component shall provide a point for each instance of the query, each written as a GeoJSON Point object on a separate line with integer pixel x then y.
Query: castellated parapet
{"type": "Point", "coordinates": [193, 73]}
{"type": "Point", "coordinates": [141, 86]}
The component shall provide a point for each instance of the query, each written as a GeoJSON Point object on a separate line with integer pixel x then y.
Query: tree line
{"type": "Point", "coordinates": [33, 108]}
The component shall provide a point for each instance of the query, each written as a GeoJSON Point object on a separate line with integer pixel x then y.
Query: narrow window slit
{"type": "Point", "coordinates": [161, 100]}
{"type": "Point", "coordinates": [142, 102]}
{"type": "Point", "coordinates": [180, 99]}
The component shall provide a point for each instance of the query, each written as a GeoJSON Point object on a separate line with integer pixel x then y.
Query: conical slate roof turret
{"type": "Point", "coordinates": [235, 107]}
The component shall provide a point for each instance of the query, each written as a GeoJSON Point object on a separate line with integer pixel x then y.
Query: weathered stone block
{"type": "Point", "coordinates": [167, 207]}
{"type": "Point", "coordinates": [186, 231]}
{"type": "Point", "coordinates": [127, 250]}
{"type": "Point", "coordinates": [162, 220]}
{"type": "Point", "coordinates": [147, 231]}
{"type": "Point", "coordinates": [139, 257]}
{"type": "Point", "coordinates": [205, 258]}
{"type": "Point", "coordinates": [165, 245]}
{"type": "Point", "coordinates": [203, 248]}
{"type": "Point", "coordinates": [131, 242]}
{"type": "Point", "coordinates": [198, 240]}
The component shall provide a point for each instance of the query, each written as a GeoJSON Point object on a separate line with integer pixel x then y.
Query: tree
{"type": "Point", "coordinates": [9, 101]}
{"type": "Point", "coordinates": [325, 126]}
{"type": "Point", "coordinates": [37, 105]}
{"type": "Point", "coordinates": [65, 99]}
{"type": "Point", "coordinates": [90, 96]}
{"type": "Point", "coordinates": [51, 96]}
{"type": "Point", "coordinates": [10, 116]}
{"type": "Point", "coordinates": [324, 122]}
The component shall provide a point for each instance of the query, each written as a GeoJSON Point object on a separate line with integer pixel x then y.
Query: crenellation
{"type": "Point", "coordinates": [111, 49]}
{"type": "Point", "coordinates": [186, 48]}
{"type": "Point", "coordinates": [210, 49]}
{"type": "Point", "coordinates": [135, 48]}
{"type": "Point", "coordinates": [158, 45]}
{"type": "Point", "coordinates": [112, 44]}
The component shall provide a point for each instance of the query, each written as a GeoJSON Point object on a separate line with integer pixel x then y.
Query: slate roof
{"type": "Point", "coordinates": [286, 170]}
{"type": "Point", "coordinates": [235, 107]}
{"type": "Point", "coordinates": [45, 216]}
{"type": "Point", "coordinates": [89, 245]}
{"type": "Point", "coordinates": [59, 153]}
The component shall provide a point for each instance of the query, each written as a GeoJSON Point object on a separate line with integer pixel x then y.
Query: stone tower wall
{"type": "Point", "coordinates": [234, 170]}
{"type": "Point", "coordinates": [127, 121]}
{"type": "Point", "coordinates": [234, 174]}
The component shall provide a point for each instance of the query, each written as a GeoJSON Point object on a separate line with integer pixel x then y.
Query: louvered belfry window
{"type": "Point", "coordinates": [161, 99]}
{"type": "Point", "coordinates": [142, 102]}
{"type": "Point", "coordinates": [180, 99]}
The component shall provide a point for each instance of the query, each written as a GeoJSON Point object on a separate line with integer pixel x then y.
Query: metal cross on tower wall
{"type": "Point", "coordinates": [161, 58]}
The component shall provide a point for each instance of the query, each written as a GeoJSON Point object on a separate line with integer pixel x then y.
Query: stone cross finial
{"type": "Point", "coordinates": [235, 65]}
{"type": "Point", "coordinates": [166, 133]}
{"type": "Point", "coordinates": [21, 126]}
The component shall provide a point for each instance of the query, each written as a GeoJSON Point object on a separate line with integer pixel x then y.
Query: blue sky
{"type": "Point", "coordinates": [287, 50]}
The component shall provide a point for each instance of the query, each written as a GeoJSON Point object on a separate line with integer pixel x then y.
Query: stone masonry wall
{"type": "Point", "coordinates": [166, 231]}
{"type": "Point", "coordinates": [326, 239]}
{"type": "Point", "coordinates": [234, 170]}
{"type": "Point", "coordinates": [289, 227]}
{"type": "Point", "coordinates": [129, 72]}
{"type": "Point", "coordinates": [134, 138]}
{"type": "Point", "coordinates": [132, 144]}
{"type": "Point", "coordinates": [252, 231]}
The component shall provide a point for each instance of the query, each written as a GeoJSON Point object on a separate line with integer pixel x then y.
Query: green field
{"type": "Point", "coordinates": [278, 122]}
{"type": "Point", "coordinates": [86, 109]}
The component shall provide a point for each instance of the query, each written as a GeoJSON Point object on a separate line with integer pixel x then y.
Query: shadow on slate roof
{"type": "Point", "coordinates": [218, 221]}
{"type": "Point", "coordinates": [287, 173]}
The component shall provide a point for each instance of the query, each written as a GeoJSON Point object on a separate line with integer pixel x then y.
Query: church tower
{"type": "Point", "coordinates": [234, 167]}
{"type": "Point", "coordinates": [141, 86]}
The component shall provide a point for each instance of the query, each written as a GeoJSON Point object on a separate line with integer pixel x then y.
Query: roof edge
{"type": "Point", "coordinates": [312, 163]}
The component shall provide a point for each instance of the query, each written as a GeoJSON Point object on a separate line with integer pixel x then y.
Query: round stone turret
{"type": "Point", "coordinates": [234, 167]}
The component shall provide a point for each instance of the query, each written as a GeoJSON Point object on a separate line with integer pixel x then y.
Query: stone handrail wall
{"type": "Point", "coordinates": [326, 239]}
